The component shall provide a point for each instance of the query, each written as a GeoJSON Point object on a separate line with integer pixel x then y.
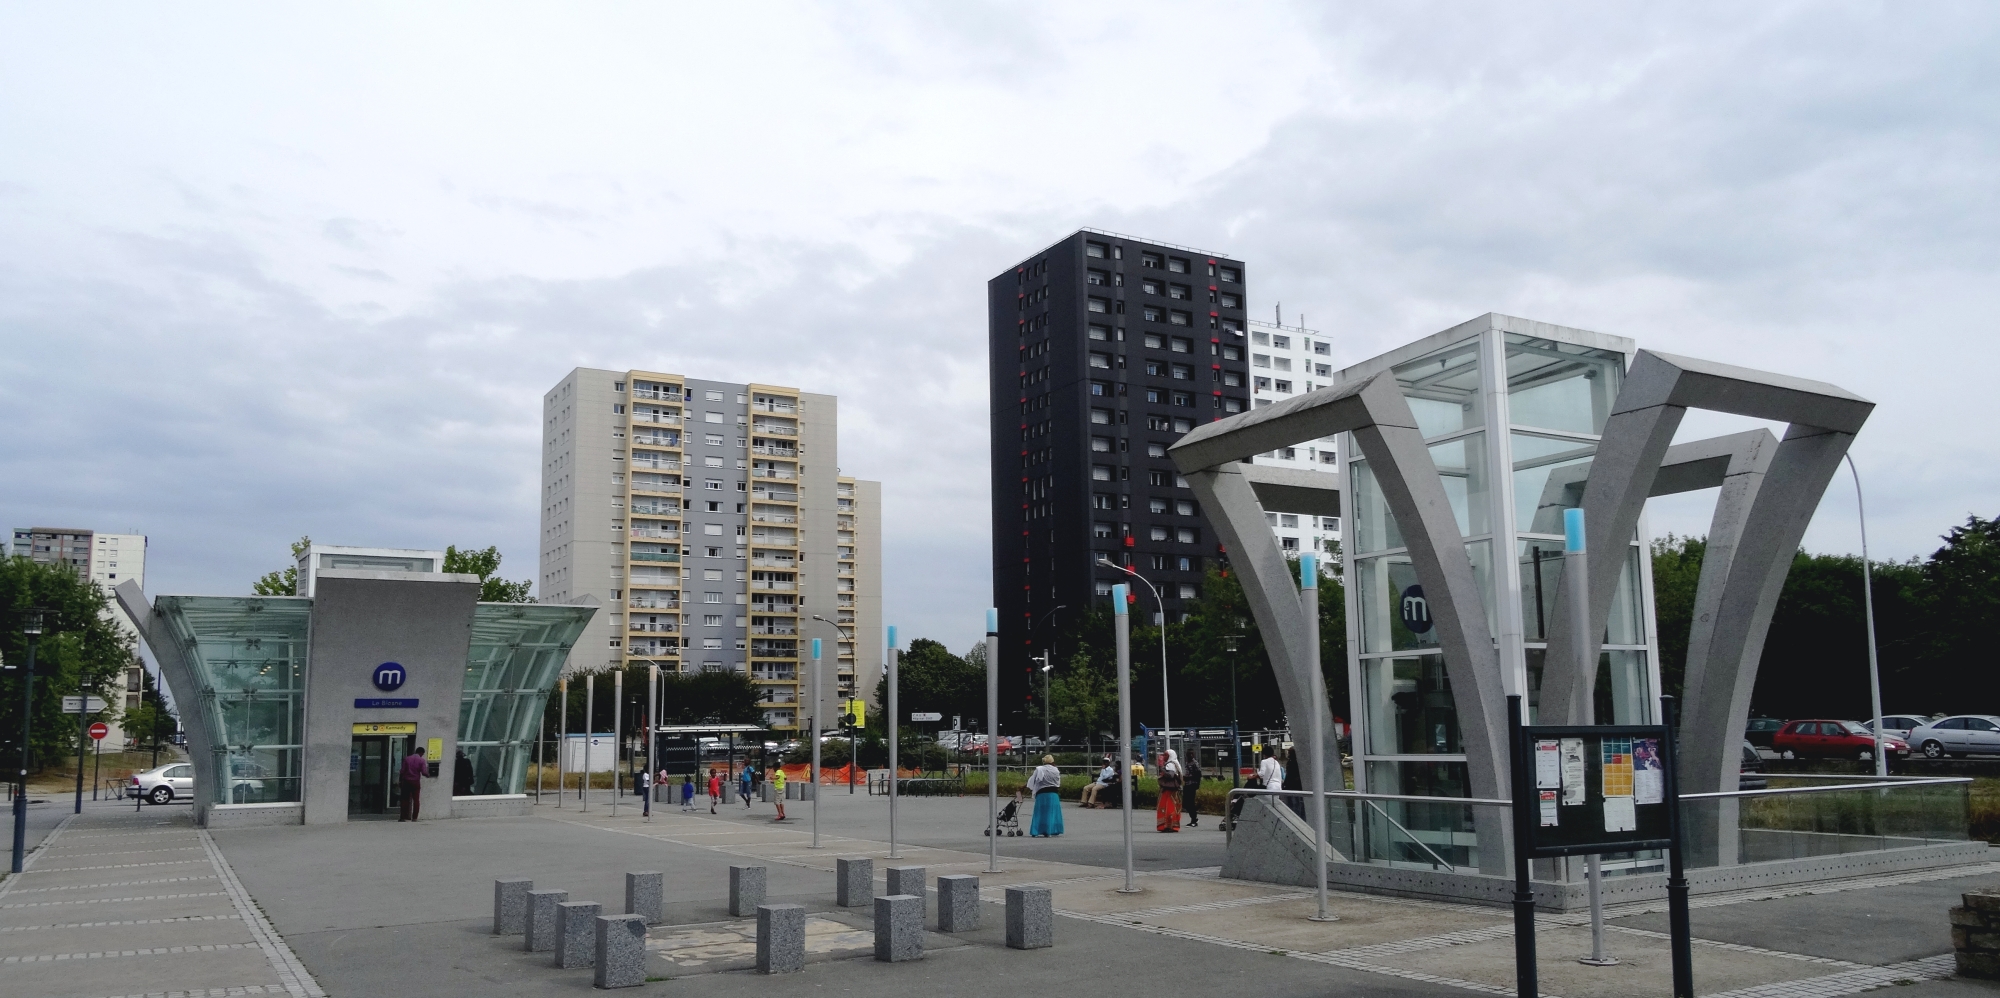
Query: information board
{"type": "Point", "coordinates": [1595, 789]}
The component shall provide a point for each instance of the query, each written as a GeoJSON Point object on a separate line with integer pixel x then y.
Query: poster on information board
{"type": "Point", "coordinates": [1594, 789]}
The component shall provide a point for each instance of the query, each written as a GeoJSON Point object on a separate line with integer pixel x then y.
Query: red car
{"type": "Point", "coordinates": [1834, 739]}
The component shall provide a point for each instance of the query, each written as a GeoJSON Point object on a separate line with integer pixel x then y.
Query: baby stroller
{"type": "Point", "coordinates": [1008, 821]}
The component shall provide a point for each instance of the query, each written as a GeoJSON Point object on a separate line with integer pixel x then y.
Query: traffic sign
{"type": "Point", "coordinates": [926, 715]}
{"type": "Point", "coordinates": [82, 705]}
{"type": "Point", "coordinates": [99, 730]}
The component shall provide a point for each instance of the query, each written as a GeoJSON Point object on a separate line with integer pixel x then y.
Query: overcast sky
{"type": "Point", "coordinates": [270, 270]}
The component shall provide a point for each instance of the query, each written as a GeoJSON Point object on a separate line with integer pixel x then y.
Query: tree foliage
{"type": "Point", "coordinates": [691, 698]}
{"type": "Point", "coordinates": [286, 582]}
{"type": "Point", "coordinates": [80, 651]}
{"type": "Point", "coordinates": [486, 565]}
{"type": "Point", "coordinates": [931, 678]}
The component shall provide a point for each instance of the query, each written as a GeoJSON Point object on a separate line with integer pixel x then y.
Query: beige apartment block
{"type": "Point", "coordinates": [712, 521]}
{"type": "Point", "coordinates": [107, 560]}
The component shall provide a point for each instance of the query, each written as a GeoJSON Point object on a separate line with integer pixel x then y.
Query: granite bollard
{"type": "Point", "coordinates": [908, 880]}
{"type": "Point", "coordinates": [620, 951]}
{"type": "Point", "coordinates": [540, 931]}
{"type": "Point", "coordinates": [766, 792]}
{"type": "Point", "coordinates": [1030, 917]}
{"type": "Point", "coordinates": [645, 895]}
{"type": "Point", "coordinates": [958, 902]}
{"type": "Point", "coordinates": [746, 890]}
{"type": "Point", "coordinates": [899, 928]}
{"type": "Point", "coordinates": [854, 881]}
{"type": "Point", "coordinates": [510, 906]}
{"type": "Point", "coordinates": [781, 938]}
{"type": "Point", "coordinates": [575, 945]}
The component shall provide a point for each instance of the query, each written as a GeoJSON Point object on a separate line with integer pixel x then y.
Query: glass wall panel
{"type": "Point", "coordinates": [1560, 386]}
{"type": "Point", "coordinates": [1627, 623]}
{"type": "Point", "coordinates": [1369, 520]}
{"type": "Point", "coordinates": [1461, 466]}
{"type": "Point", "coordinates": [516, 656]}
{"type": "Point", "coordinates": [1383, 585]}
{"type": "Point", "coordinates": [1623, 689]}
{"type": "Point", "coordinates": [1549, 475]}
{"type": "Point", "coordinates": [1410, 707]}
{"type": "Point", "coordinates": [1443, 389]}
{"type": "Point", "coordinates": [1541, 564]}
{"type": "Point", "coordinates": [250, 653]}
{"type": "Point", "coordinates": [1418, 834]}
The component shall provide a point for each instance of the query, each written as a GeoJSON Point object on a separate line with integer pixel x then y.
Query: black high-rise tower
{"type": "Point", "coordinates": [1103, 350]}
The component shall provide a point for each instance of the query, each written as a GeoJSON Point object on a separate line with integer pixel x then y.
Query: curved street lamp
{"type": "Point", "coordinates": [1166, 712]}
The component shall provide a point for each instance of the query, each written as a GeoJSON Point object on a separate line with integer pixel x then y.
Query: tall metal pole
{"type": "Point", "coordinates": [992, 740]}
{"type": "Point", "coordinates": [652, 726]}
{"type": "Point", "coordinates": [1576, 586]}
{"type": "Point", "coordinates": [1122, 621]}
{"type": "Point", "coordinates": [1235, 737]}
{"type": "Point", "coordinates": [589, 719]}
{"type": "Point", "coordinates": [617, 735]}
{"type": "Point", "coordinates": [80, 743]}
{"type": "Point", "coordinates": [32, 627]}
{"type": "Point", "coordinates": [894, 738]}
{"type": "Point", "coordinates": [812, 777]}
{"type": "Point", "coordinates": [562, 742]}
{"type": "Point", "coordinates": [1309, 604]}
{"type": "Point", "coordinates": [1868, 614]}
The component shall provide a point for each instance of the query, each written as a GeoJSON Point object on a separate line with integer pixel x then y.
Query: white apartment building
{"type": "Point", "coordinates": [711, 520]}
{"type": "Point", "coordinates": [1285, 361]}
{"type": "Point", "coordinates": [108, 560]}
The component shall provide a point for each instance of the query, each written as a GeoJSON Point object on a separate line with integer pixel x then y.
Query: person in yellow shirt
{"type": "Point", "coordinates": [778, 790]}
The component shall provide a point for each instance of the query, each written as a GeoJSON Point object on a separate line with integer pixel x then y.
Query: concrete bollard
{"type": "Point", "coordinates": [540, 930]}
{"type": "Point", "coordinates": [575, 946]}
{"type": "Point", "coordinates": [781, 938]}
{"type": "Point", "coordinates": [766, 792]}
{"type": "Point", "coordinates": [1030, 917]}
{"type": "Point", "coordinates": [619, 951]}
{"type": "Point", "coordinates": [807, 791]}
{"type": "Point", "coordinates": [746, 890]}
{"type": "Point", "coordinates": [899, 928]}
{"type": "Point", "coordinates": [854, 881]}
{"type": "Point", "coordinates": [510, 906]}
{"type": "Point", "coordinates": [958, 902]}
{"type": "Point", "coordinates": [908, 880]}
{"type": "Point", "coordinates": [645, 895]}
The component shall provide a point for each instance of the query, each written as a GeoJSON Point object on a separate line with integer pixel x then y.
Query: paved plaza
{"type": "Point", "coordinates": [118, 902]}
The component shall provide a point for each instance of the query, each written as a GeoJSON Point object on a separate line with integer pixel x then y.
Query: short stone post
{"type": "Point", "coordinates": [958, 902]}
{"type": "Point", "coordinates": [854, 881]}
{"type": "Point", "coordinates": [645, 895]}
{"type": "Point", "coordinates": [909, 880]}
{"type": "Point", "coordinates": [899, 928]}
{"type": "Point", "coordinates": [510, 906]}
{"type": "Point", "coordinates": [541, 926]}
{"type": "Point", "coordinates": [620, 951]}
{"type": "Point", "coordinates": [1030, 917]}
{"type": "Point", "coordinates": [807, 791]}
{"type": "Point", "coordinates": [781, 938]}
{"type": "Point", "coordinates": [746, 890]}
{"type": "Point", "coordinates": [766, 792]}
{"type": "Point", "coordinates": [575, 942]}
{"type": "Point", "coordinates": [1975, 935]}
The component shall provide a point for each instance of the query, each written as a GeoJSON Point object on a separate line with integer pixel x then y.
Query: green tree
{"type": "Point", "coordinates": [690, 698]}
{"type": "Point", "coordinates": [1676, 576]}
{"type": "Point", "coordinates": [931, 678]}
{"type": "Point", "coordinates": [80, 651]}
{"type": "Point", "coordinates": [486, 565]}
{"type": "Point", "coordinates": [1950, 665]}
{"type": "Point", "coordinates": [285, 583]}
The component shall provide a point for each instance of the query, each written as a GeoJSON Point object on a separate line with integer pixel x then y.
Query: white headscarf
{"type": "Point", "coordinates": [1173, 762]}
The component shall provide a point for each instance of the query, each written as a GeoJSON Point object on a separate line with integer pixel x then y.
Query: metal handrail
{"type": "Point", "coordinates": [1359, 795]}
{"type": "Point", "coordinates": [1873, 783]}
{"type": "Point", "coordinates": [1436, 860]}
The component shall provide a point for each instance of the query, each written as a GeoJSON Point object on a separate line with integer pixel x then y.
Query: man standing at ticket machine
{"type": "Point", "coordinates": [415, 766]}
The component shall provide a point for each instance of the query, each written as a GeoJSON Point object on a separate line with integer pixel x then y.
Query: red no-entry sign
{"type": "Point", "coordinates": [99, 730]}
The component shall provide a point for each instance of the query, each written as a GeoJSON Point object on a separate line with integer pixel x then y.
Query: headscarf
{"type": "Point", "coordinates": [1173, 764]}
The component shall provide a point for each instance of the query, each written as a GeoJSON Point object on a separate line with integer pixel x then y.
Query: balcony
{"type": "Point", "coordinates": [653, 626]}
{"type": "Point", "coordinates": [781, 474]}
{"type": "Point", "coordinates": [654, 507]}
{"type": "Point", "coordinates": [780, 629]}
{"type": "Point", "coordinates": [785, 561]}
{"type": "Point", "coordinates": [767, 494]}
{"type": "Point", "coordinates": [654, 533]}
{"type": "Point", "coordinates": [774, 518]}
{"type": "Point", "coordinates": [656, 556]}
{"type": "Point", "coordinates": [663, 462]}
{"type": "Point", "coordinates": [655, 416]}
{"type": "Point", "coordinates": [775, 429]}
{"type": "Point", "coordinates": [787, 408]}
{"type": "Point", "coordinates": [664, 394]}
{"type": "Point", "coordinates": [653, 604]}
{"type": "Point", "coordinates": [775, 451]}
{"type": "Point", "coordinates": [773, 584]}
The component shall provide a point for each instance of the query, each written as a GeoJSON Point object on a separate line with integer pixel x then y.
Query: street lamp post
{"type": "Point", "coordinates": [1166, 711]}
{"type": "Point", "coordinates": [1235, 740]}
{"type": "Point", "coordinates": [1868, 608]}
{"type": "Point", "coordinates": [31, 626]}
{"type": "Point", "coordinates": [1048, 662]}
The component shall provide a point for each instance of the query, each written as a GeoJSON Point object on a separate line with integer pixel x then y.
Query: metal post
{"type": "Point", "coordinates": [562, 740]}
{"type": "Point", "coordinates": [1594, 874]}
{"type": "Point", "coordinates": [1677, 885]}
{"type": "Point", "coordinates": [1122, 620]}
{"type": "Point", "coordinates": [97, 769]}
{"type": "Point", "coordinates": [32, 627]}
{"type": "Point", "coordinates": [589, 722]}
{"type": "Point", "coordinates": [81, 704]}
{"type": "Point", "coordinates": [652, 728]}
{"type": "Point", "coordinates": [1868, 614]}
{"type": "Point", "coordinates": [1526, 982]}
{"type": "Point", "coordinates": [894, 738]}
{"type": "Point", "coordinates": [812, 777]}
{"type": "Point", "coordinates": [1309, 605]}
{"type": "Point", "coordinates": [1576, 596]}
{"type": "Point", "coordinates": [1235, 736]}
{"type": "Point", "coordinates": [992, 740]}
{"type": "Point", "coordinates": [617, 734]}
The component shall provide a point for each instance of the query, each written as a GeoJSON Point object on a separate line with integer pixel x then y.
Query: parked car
{"type": "Point", "coordinates": [1835, 739]}
{"type": "Point", "coordinates": [1958, 736]}
{"type": "Point", "coordinates": [162, 784]}
{"type": "Point", "coordinates": [1898, 725]}
{"type": "Point", "coordinates": [1760, 730]}
{"type": "Point", "coordinates": [1751, 771]}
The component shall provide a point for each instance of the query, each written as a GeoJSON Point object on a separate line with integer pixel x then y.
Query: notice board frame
{"type": "Point", "coordinates": [1653, 827]}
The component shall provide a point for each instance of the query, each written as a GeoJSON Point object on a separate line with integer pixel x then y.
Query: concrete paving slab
{"type": "Point", "coordinates": [1363, 922]}
{"type": "Point", "coordinates": [1644, 971]}
{"type": "Point", "coordinates": [212, 900]}
{"type": "Point", "coordinates": [197, 931]}
{"type": "Point", "coordinates": [152, 972]}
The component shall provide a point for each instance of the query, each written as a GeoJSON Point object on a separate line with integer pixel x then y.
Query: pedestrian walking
{"type": "Point", "coordinates": [714, 788]}
{"type": "Point", "coordinates": [414, 767]}
{"type": "Point", "coordinates": [687, 793]}
{"type": "Point", "coordinates": [1167, 812]}
{"type": "Point", "coordinates": [645, 794]}
{"type": "Point", "coordinates": [746, 783]}
{"type": "Point", "coordinates": [1045, 783]}
{"type": "Point", "coordinates": [778, 785]}
{"type": "Point", "coordinates": [1190, 783]}
{"type": "Point", "coordinates": [461, 776]}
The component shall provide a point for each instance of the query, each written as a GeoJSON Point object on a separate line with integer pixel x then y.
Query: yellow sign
{"type": "Point", "coordinates": [386, 728]}
{"type": "Point", "coordinates": [856, 711]}
{"type": "Point", "coordinates": [434, 752]}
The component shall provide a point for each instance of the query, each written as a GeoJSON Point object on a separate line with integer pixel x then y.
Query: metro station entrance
{"type": "Point", "coordinates": [376, 753]}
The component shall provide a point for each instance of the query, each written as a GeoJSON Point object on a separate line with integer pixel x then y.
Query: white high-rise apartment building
{"type": "Point", "coordinates": [108, 560]}
{"type": "Point", "coordinates": [1285, 361]}
{"type": "Point", "coordinates": [711, 520]}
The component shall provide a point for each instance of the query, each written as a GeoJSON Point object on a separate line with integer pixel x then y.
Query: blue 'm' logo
{"type": "Point", "coordinates": [389, 677]}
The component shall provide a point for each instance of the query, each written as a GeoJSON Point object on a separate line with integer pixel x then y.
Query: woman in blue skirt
{"type": "Point", "coordinates": [1046, 784]}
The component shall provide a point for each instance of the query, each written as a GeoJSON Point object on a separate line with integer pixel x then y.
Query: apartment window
{"type": "Point", "coordinates": [1184, 399]}
{"type": "Point", "coordinates": [1158, 562]}
{"type": "Point", "coordinates": [1182, 344]}
{"type": "Point", "coordinates": [1151, 314]}
{"type": "Point", "coordinates": [1230, 275]}
{"type": "Point", "coordinates": [1329, 523]}
{"type": "Point", "coordinates": [1095, 251]}
{"type": "Point", "coordinates": [1103, 588]}
{"type": "Point", "coordinates": [1327, 457]}
{"type": "Point", "coordinates": [1187, 590]}
{"type": "Point", "coordinates": [712, 529]}
{"type": "Point", "coordinates": [1156, 449]}
{"type": "Point", "coordinates": [1156, 396]}
{"type": "Point", "coordinates": [618, 408]}
{"type": "Point", "coordinates": [1232, 405]}
{"type": "Point", "coordinates": [712, 598]}
{"type": "Point", "coordinates": [1099, 500]}
{"type": "Point", "coordinates": [1182, 372]}
{"type": "Point", "coordinates": [1180, 291]}
{"type": "Point", "coordinates": [1100, 305]}
{"type": "Point", "coordinates": [1184, 507]}
{"type": "Point", "coordinates": [1232, 353]}
{"type": "Point", "coordinates": [1186, 563]}
{"type": "Point", "coordinates": [1180, 318]}
{"type": "Point", "coordinates": [712, 485]}
{"type": "Point", "coordinates": [1288, 520]}
{"type": "Point", "coordinates": [1100, 360]}
{"type": "Point", "coordinates": [1282, 363]}
{"type": "Point", "coordinates": [1282, 385]}
{"type": "Point", "coordinates": [711, 462]}
{"type": "Point", "coordinates": [1232, 379]}
{"type": "Point", "coordinates": [1100, 530]}
{"type": "Point", "coordinates": [1233, 325]}
{"type": "Point", "coordinates": [1260, 360]}
{"type": "Point", "coordinates": [712, 396]}
{"type": "Point", "coordinates": [1323, 370]}
{"type": "Point", "coordinates": [1230, 301]}
{"type": "Point", "coordinates": [1281, 342]}
{"type": "Point", "coordinates": [1187, 535]}
{"type": "Point", "coordinates": [712, 439]}
{"type": "Point", "coordinates": [1288, 543]}
{"type": "Point", "coordinates": [1159, 533]}
{"type": "Point", "coordinates": [1100, 473]}
{"type": "Point", "coordinates": [1261, 339]}
{"type": "Point", "coordinates": [1176, 265]}
{"type": "Point", "coordinates": [1155, 341]}
{"type": "Point", "coordinates": [1156, 505]}
{"type": "Point", "coordinates": [617, 642]}
{"type": "Point", "coordinates": [1101, 417]}
{"type": "Point", "coordinates": [711, 620]}
{"type": "Point", "coordinates": [1159, 478]}
{"type": "Point", "coordinates": [1150, 287]}
{"type": "Point", "coordinates": [1100, 388]}
{"type": "Point", "coordinates": [713, 417]}
{"type": "Point", "coordinates": [1151, 260]}
{"type": "Point", "coordinates": [1183, 425]}
{"type": "Point", "coordinates": [1100, 332]}
{"type": "Point", "coordinates": [1159, 423]}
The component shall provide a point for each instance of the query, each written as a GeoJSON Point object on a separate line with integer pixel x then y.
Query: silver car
{"type": "Point", "coordinates": [162, 784]}
{"type": "Point", "coordinates": [1961, 735]}
{"type": "Point", "coordinates": [1898, 725]}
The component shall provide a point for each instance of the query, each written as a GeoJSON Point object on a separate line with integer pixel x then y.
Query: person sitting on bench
{"type": "Point", "coordinates": [1104, 779]}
